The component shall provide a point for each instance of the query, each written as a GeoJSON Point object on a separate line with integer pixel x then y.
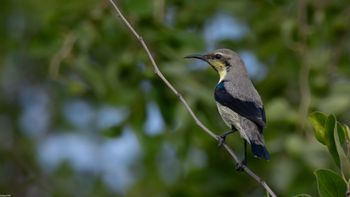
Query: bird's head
{"type": "Point", "coordinates": [221, 60]}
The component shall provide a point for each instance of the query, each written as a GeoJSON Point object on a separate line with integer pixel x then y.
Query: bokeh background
{"type": "Point", "coordinates": [83, 114]}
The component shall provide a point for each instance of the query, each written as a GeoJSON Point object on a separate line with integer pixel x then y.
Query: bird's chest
{"type": "Point", "coordinates": [230, 117]}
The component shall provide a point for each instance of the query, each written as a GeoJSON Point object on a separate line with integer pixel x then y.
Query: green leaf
{"type": "Point", "coordinates": [330, 128]}
{"type": "Point", "coordinates": [346, 132]}
{"type": "Point", "coordinates": [339, 141]}
{"type": "Point", "coordinates": [329, 183]}
{"type": "Point", "coordinates": [318, 120]}
{"type": "Point", "coordinates": [341, 133]}
{"type": "Point", "coordinates": [333, 134]}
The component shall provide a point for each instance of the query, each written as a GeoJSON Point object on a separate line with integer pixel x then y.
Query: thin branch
{"type": "Point", "coordinates": [188, 108]}
{"type": "Point", "coordinates": [64, 51]}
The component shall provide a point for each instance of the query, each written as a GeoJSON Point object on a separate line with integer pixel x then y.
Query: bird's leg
{"type": "Point", "coordinates": [240, 165]}
{"type": "Point", "coordinates": [222, 137]}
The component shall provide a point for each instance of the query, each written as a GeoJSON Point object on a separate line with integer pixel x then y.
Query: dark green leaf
{"type": "Point", "coordinates": [341, 148]}
{"type": "Point", "coordinates": [341, 133]}
{"type": "Point", "coordinates": [329, 137]}
{"type": "Point", "coordinates": [330, 184]}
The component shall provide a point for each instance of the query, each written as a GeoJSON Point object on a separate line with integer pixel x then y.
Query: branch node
{"type": "Point", "coordinates": [140, 38]}
{"type": "Point", "coordinates": [178, 95]}
{"type": "Point", "coordinates": [262, 181]}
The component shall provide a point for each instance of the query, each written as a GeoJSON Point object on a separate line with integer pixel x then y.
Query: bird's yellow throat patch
{"type": "Point", "coordinates": [220, 67]}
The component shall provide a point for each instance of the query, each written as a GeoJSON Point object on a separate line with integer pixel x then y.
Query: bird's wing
{"type": "Point", "coordinates": [247, 109]}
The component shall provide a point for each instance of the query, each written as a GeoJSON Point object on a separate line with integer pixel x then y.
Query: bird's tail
{"type": "Point", "coordinates": [260, 151]}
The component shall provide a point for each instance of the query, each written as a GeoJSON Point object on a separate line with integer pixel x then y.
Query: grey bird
{"type": "Point", "coordinates": [238, 102]}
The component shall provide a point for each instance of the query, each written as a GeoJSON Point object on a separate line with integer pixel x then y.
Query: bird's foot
{"type": "Point", "coordinates": [222, 138]}
{"type": "Point", "coordinates": [241, 165]}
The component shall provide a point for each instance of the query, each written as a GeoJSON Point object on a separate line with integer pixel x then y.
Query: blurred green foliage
{"type": "Point", "coordinates": [65, 62]}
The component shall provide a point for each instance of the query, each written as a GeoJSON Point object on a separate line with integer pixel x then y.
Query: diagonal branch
{"type": "Point", "coordinates": [183, 101]}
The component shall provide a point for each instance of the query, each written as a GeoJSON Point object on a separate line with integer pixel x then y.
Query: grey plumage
{"type": "Point", "coordinates": [238, 102]}
{"type": "Point", "coordinates": [238, 84]}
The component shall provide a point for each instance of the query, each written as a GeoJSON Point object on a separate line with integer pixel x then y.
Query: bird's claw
{"type": "Point", "coordinates": [241, 165]}
{"type": "Point", "coordinates": [221, 140]}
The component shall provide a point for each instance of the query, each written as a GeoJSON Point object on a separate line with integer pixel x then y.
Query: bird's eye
{"type": "Point", "coordinates": [218, 56]}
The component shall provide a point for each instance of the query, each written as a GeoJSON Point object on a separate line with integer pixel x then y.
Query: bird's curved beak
{"type": "Point", "coordinates": [207, 58]}
{"type": "Point", "coordinates": [197, 56]}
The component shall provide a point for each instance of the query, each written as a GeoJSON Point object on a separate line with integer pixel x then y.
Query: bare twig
{"type": "Point", "coordinates": [188, 108]}
{"type": "Point", "coordinates": [64, 51]}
